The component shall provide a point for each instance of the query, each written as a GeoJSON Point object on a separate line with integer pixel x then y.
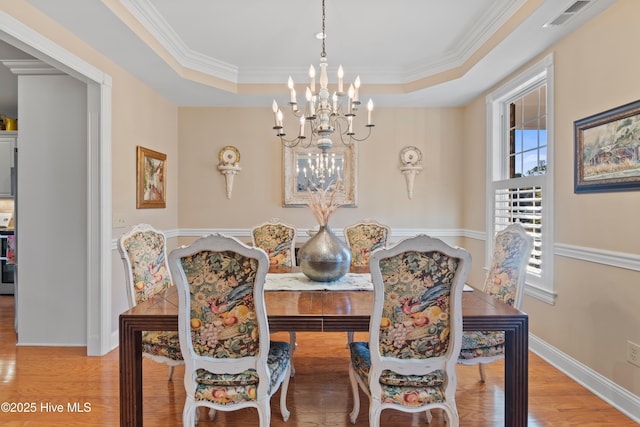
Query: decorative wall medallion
{"type": "Point", "coordinates": [410, 156]}
{"type": "Point", "coordinates": [229, 155]}
{"type": "Point", "coordinates": [229, 166]}
{"type": "Point", "coordinates": [411, 165]}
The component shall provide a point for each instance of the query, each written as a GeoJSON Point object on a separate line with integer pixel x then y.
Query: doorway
{"type": "Point", "coordinates": [98, 167]}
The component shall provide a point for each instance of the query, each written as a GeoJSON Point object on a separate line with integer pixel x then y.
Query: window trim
{"type": "Point", "coordinates": [541, 287]}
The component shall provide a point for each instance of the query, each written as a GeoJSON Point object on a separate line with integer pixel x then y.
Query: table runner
{"type": "Point", "coordinates": [299, 282]}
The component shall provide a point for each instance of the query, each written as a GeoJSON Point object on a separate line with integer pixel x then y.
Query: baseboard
{"type": "Point", "coordinates": [618, 397]}
{"type": "Point", "coordinates": [114, 341]}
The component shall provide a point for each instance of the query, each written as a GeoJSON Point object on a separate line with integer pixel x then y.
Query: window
{"type": "Point", "coordinates": [519, 173]}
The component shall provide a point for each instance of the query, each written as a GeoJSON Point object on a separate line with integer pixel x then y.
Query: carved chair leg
{"type": "Point", "coordinates": [429, 416]}
{"type": "Point", "coordinates": [170, 373]}
{"type": "Point", "coordinates": [292, 345]}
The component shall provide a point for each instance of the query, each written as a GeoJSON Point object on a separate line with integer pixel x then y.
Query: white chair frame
{"type": "Point", "coordinates": [349, 245]}
{"type": "Point", "coordinates": [276, 221]}
{"type": "Point", "coordinates": [219, 242]}
{"type": "Point", "coordinates": [131, 293]}
{"type": "Point", "coordinates": [516, 229]}
{"type": "Point", "coordinates": [421, 243]}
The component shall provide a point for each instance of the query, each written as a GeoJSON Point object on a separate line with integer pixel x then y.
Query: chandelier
{"type": "Point", "coordinates": [324, 113]}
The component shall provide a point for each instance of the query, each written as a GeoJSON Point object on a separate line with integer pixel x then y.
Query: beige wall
{"type": "Point", "coordinates": [474, 189]}
{"type": "Point", "coordinates": [257, 191]}
{"type": "Point", "coordinates": [598, 307]}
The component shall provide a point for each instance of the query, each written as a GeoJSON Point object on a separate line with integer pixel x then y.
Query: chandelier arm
{"type": "Point", "coordinates": [294, 142]}
{"type": "Point", "coordinates": [353, 138]}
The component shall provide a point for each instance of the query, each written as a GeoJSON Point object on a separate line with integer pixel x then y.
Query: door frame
{"type": "Point", "coordinates": [99, 223]}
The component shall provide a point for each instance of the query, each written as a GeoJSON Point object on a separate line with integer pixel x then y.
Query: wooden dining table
{"type": "Point", "coordinates": [326, 311]}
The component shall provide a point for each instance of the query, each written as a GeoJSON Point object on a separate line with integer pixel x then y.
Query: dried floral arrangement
{"type": "Point", "coordinates": [323, 202]}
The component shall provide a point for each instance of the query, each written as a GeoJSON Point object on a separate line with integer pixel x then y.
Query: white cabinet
{"type": "Point", "coordinates": [7, 145]}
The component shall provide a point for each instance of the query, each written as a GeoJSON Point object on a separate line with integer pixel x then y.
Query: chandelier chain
{"type": "Point", "coordinates": [324, 34]}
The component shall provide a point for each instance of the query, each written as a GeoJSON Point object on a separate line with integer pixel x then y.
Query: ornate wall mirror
{"type": "Point", "coordinates": [302, 168]}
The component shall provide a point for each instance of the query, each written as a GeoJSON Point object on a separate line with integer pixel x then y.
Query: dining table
{"type": "Point", "coordinates": [325, 310]}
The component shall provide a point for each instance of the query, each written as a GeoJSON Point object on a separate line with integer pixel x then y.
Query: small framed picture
{"type": "Point", "coordinates": [607, 146]}
{"type": "Point", "coordinates": [151, 179]}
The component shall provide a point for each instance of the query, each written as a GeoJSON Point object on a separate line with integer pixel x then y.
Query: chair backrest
{"type": "Point", "coordinates": [143, 250]}
{"type": "Point", "coordinates": [416, 323]}
{"type": "Point", "coordinates": [508, 270]}
{"type": "Point", "coordinates": [365, 237]}
{"type": "Point", "coordinates": [222, 321]}
{"type": "Point", "coordinates": [278, 240]}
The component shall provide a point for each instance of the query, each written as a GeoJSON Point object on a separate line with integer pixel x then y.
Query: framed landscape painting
{"type": "Point", "coordinates": [150, 181]}
{"type": "Point", "coordinates": [607, 150]}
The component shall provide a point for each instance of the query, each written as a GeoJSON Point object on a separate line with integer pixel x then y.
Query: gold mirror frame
{"type": "Point", "coordinates": [294, 197]}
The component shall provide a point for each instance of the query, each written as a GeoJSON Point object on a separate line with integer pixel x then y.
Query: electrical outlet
{"type": "Point", "coordinates": [633, 353]}
{"type": "Point", "coordinates": [119, 221]}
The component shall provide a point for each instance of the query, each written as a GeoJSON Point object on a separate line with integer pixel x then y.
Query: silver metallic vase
{"type": "Point", "coordinates": [324, 257]}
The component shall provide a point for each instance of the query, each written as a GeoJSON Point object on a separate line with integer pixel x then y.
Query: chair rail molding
{"type": "Point", "coordinates": [599, 256]}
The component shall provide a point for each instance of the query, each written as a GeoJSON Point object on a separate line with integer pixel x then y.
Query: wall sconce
{"type": "Point", "coordinates": [229, 166]}
{"type": "Point", "coordinates": [411, 165]}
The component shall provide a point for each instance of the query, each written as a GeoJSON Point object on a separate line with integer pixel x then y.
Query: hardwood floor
{"type": "Point", "coordinates": [52, 381]}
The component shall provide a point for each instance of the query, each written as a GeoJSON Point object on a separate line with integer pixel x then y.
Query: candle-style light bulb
{"type": "Point", "coordinates": [302, 126]}
{"type": "Point", "coordinates": [369, 110]}
{"type": "Point", "coordinates": [309, 98]}
{"type": "Point", "coordinates": [312, 77]}
{"type": "Point", "coordinates": [279, 115]}
{"type": "Point", "coordinates": [292, 91]}
{"type": "Point", "coordinates": [356, 84]}
{"type": "Point", "coordinates": [275, 111]}
{"type": "Point", "coordinates": [340, 79]}
{"type": "Point", "coordinates": [350, 94]}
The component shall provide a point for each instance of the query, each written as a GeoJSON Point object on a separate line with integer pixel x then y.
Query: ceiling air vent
{"type": "Point", "coordinates": [570, 12]}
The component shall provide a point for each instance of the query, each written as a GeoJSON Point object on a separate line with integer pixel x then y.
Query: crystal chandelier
{"type": "Point", "coordinates": [325, 113]}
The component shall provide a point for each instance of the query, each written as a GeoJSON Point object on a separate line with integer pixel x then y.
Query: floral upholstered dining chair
{"type": "Point", "coordinates": [365, 237]}
{"type": "Point", "coordinates": [230, 362]}
{"type": "Point", "coordinates": [505, 282]}
{"type": "Point", "coordinates": [143, 250]}
{"type": "Point", "coordinates": [278, 240]}
{"type": "Point", "coordinates": [409, 362]}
